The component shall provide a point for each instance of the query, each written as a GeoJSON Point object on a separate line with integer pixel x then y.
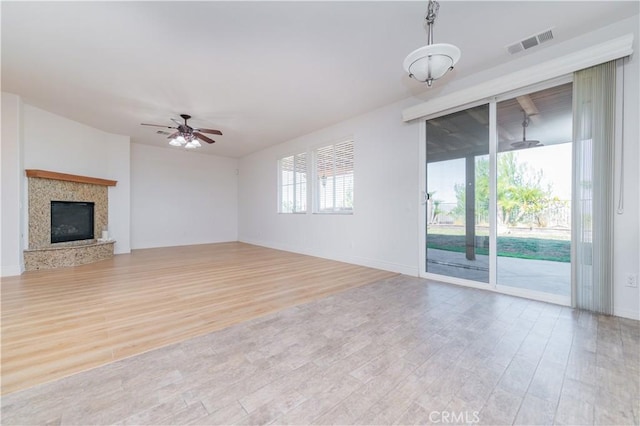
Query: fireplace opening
{"type": "Point", "coordinates": [71, 221]}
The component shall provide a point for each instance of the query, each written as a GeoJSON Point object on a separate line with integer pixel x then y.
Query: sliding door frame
{"type": "Point", "coordinates": [493, 154]}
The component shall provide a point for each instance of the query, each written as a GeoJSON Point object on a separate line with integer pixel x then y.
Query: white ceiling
{"type": "Point", "coordinates": [262, 72]}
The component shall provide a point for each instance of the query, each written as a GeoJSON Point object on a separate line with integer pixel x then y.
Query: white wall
{"type": "Point", "coordinates": [118, 152]}
{"type": "Point", "coordinates": [180, 197]}
{"type": "Point", "coordinates": [626, 237]}
{"type": "Point", "coordinates": [381, 233]}
{"type": "Point", "coordinates": [11, 206]}
{"type": "Point", "coordinates": [55, 143]}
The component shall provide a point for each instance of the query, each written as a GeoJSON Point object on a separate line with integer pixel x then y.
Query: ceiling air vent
{"type": "Point", "coordinates": [530, 42]}
{"type": "Point", "coordinates": [545, 36]}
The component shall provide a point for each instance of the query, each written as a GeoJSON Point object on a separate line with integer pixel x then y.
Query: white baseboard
{"type": "Point", "coordinates": [355, 260]}
{"type": "Point", "coordinates": [180, 244]}
{"type": "Point", "coordinates": [11, 270]}
{"type": "Point", "coordinates": [412, 271]}
{"type": "Point", "coordinates": [627, 313]}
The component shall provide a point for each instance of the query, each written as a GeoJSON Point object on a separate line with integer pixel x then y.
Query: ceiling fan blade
{"type": "Point", "coordinates": [203, 137]}
{"type": "Point", "coordinates": [212, 131]}
{"type": "Point", "coordinates": [158, 125]}
{"type": "Point", "coordinates": [173, 135]}
{"type": "Point", "coordinates": [176, 121]}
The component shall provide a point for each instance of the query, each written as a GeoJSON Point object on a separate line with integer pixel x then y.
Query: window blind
{"type": "Point", "coordinates": [293, 184]}
{"type": "Point", "coordinates": [594, 108]}
{"type": "Point", "coordinates": [335, 177]}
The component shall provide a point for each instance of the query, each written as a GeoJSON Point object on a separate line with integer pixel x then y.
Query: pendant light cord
{"type": "Point", "coordinates": [621, 189]}
{"type": "Point", "coordinates": [432, 13]}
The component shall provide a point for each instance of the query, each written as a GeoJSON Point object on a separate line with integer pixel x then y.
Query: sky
{"type": "Point", "coordinates": [553, 160]}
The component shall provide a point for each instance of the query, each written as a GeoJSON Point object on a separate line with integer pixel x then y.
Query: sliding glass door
{"type": "Point", "coordinates": [534, 191]}
{"type": "Point", "coordinates": [498, 206]}
{"type": "Point", "coordinates": [457, 240]}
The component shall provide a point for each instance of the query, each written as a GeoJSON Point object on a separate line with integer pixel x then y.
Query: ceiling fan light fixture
{"type": "Point", "coordinates": [185, 135]}
{"type": "Point", "coordinates": [432, 61]}
{"type": "Point", "coordinates": [525, 143]}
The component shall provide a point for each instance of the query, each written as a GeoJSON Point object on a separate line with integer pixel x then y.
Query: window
{"type": "Point", "coordinates": [334, 178]}
{"type": "Point", "coordinates": [293, 183]}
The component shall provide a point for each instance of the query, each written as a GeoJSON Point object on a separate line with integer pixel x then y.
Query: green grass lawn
{"type": "Point", "coordinates": [522, 248]}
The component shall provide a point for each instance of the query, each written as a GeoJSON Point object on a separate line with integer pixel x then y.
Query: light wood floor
{"type": "Point", "coordinates": [59, 322]}
{"type": "Point", "coordinates": [400, 351]}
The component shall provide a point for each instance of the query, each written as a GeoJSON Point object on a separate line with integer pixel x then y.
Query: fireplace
{"type": "Point", "coordinates": [66, 213]}
{"type": "Point", "coordinates": [71, 221]}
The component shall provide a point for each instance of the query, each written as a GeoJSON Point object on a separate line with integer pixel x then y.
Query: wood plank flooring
{"type": "Point", "coordinates": [402, 350]}
{"type": "Point", "coordinates": [59, 322]}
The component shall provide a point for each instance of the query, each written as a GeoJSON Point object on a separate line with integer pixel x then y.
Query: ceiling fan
{"type": "Point", "coordinates": [525, 143]}
{"type": "Point", "coordinates": [185, 135]}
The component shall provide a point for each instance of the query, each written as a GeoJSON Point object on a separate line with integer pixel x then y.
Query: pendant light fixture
{"type": "Point", "coordinates": [432, 61]}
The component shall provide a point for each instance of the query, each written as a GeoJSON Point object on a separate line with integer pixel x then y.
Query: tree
{"type": "Point", "coordinates": [520, 190]}
{"type": "Point", "coordinates": [482, 191]}
{"type": "Point", "coordinates": [434, 208]}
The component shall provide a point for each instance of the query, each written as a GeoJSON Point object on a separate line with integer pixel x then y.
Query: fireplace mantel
{"type": "Point", "coordinates": [45, 174]}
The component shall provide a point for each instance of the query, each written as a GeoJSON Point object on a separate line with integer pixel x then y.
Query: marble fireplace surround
{"type": "Point", "coordinates": [46, 186]}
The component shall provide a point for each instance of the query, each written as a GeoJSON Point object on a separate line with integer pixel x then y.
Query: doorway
{"type": "Point", "coordinates": [458, 195]}
{"type": "Point", "coordinates": [498, 194]}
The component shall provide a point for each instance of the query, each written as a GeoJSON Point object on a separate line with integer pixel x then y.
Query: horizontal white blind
{"type": "Point", "coordinates": [293, 184]}
{"type": "Point", "coordinates": [334, 173]}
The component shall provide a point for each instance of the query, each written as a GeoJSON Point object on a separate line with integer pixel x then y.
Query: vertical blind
{"type": "Point", "coordinates": [594, 105]}
{"type": "Point", "coordinates": [293, 184]}
{"type": "Point", "coordinates": [334, 173]}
